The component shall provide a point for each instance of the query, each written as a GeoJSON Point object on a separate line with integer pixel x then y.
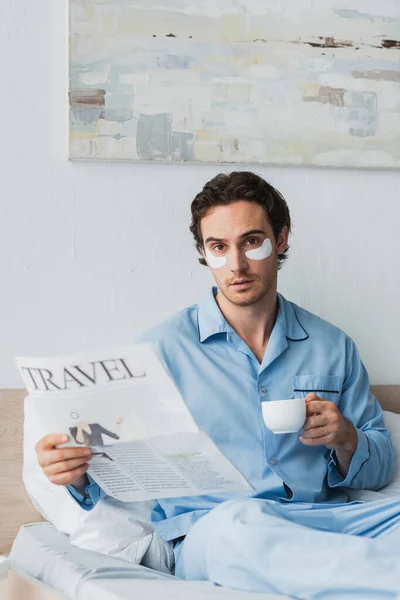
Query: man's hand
{"type": "Point", "coordinates": [326, 426]}
{"type": "Point", "coordinates": [62, 466]}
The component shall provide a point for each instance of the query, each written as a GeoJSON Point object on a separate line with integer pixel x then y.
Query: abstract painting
{"type": "Point", "coordinates": [236, 81]}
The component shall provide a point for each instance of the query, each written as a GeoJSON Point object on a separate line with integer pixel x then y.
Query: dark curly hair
{"type": "Point", "coordinates": [240, 185]}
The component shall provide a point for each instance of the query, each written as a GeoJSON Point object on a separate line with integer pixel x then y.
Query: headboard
{"type": "Point", "coordinates": [15, 506]}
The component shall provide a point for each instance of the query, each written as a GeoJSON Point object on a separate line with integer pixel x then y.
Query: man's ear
{"type": "Point", "coordinates": [282, 241]}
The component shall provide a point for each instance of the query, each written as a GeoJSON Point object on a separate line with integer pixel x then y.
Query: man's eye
{"type": "Point", "coordinates": [218, 248]}
{"type": "Point", "coordinates": [253, 241]}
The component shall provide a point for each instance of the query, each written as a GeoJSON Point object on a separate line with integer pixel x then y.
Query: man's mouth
{"type": "Point", "coordinates": [242, 283]}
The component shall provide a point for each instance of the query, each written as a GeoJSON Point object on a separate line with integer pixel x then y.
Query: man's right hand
{"type": "Point", "coordinates": [62, 466]}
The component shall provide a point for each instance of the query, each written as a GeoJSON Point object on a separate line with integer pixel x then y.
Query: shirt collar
{"type": "Point", "coordinates": [292, 326]}
{"type": "Point", "coordinates": [211, 320]}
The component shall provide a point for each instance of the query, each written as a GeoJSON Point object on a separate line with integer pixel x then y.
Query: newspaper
{"type": "Point", "coordinates": [124, 404]}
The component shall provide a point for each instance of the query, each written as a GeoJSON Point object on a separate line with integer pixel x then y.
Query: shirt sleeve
{"type": "Point", "coordinates": [93, 493]}
{"type": "Point", "coordinates": [372, 463]}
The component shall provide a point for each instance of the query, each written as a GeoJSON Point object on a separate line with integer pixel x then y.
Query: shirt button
{"type": "Point", "coordinates": [273, 460]}
{"type": "Point", "coordinates": [263, 389]}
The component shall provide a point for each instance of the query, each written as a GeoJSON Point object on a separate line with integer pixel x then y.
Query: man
{"type": "Point", "coordinates": [243, 345]}
{"type": "Point", "coordinates": [91, 434]}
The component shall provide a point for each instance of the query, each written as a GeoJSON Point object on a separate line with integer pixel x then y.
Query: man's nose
{"type": "Point", "coordinates": [237, 260]}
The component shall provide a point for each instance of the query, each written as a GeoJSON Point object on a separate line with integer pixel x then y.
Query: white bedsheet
{"type": "Point", "coordinates": [44, 553]}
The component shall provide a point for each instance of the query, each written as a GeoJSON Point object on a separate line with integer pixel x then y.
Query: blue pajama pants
{"type": "Point", "coordinates": [307, 551]}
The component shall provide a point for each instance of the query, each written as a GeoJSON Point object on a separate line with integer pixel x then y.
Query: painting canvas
{"type": "Point", "coordinates": [236, 81]}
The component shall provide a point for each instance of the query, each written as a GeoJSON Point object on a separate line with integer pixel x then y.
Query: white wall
{"type": "Point", "coordinates": [91, 254]}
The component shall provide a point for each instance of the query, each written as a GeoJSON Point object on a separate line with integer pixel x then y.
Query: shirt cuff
{"type": "Point", "coordinates": [93, 493]}
{"type": "Point", "coordinates": [360, 456]}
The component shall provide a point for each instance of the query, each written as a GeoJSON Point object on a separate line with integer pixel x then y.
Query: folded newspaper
{"type": "Point", "coordinates": [124, 404]}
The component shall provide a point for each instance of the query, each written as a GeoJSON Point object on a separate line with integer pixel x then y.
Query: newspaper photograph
{"type": "Point", "coordinates": [124, 404]}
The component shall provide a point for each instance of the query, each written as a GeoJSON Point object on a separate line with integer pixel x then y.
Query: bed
{"type": "Point", "coordinates": [42, 557]}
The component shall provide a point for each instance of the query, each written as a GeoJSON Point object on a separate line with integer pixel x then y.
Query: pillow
{"type": "Point", "coordinates": [392, 422]}
{"type": "Point", "coordinates": [3, 567]}
{"type": "Point", "coordinates": [121, 529]}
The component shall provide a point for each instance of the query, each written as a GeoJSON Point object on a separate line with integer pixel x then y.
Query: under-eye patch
{"type": "Point", "coordinates": [215, 262]}
{"type": "Point", "coordinates": [262, 252]}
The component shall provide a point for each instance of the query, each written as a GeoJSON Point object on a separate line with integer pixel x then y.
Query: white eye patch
{"type": "Point", "coordinates": [262, 252]}
{"type": "Point", "coordinates": [215, 262]}
{"type": "Point", "coordinates": [265, 250]}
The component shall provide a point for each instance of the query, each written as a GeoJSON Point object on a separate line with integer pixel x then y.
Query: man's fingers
{"type": "Point", "coordinates": [64, 466]}
{"type": "Point", "coordinates": [318, 406]}
{"type": "Point", "coordinates": [69, 476]}
{"type": "Point", "coordinates": [49, 457]}
{"type": "Point", "coordinates": [317, 432]}
{"type": "Point", "coordinates": [324, 440]}
{"type": "Point", "coordinates": [315, 421]}
{"type": "Point", "coordinates": [311, 397]}
{"type": "Point", "coordinates": [48, 442]}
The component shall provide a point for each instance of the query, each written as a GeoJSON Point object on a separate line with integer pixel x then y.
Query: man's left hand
{"type": "Point", "coordinates": [325, 426]}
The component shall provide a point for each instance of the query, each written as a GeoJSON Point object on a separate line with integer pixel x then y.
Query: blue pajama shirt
{"type": "Point", "coordinates": [224, 386]}
{"type": "Point", "coordinates": [296, 534]}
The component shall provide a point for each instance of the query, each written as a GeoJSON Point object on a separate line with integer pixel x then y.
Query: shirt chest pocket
{"type": "Point", "coordinates": [327, 387]}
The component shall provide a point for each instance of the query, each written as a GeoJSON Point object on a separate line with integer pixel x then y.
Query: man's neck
{"type": "Point", "coordinates": [254, 323]}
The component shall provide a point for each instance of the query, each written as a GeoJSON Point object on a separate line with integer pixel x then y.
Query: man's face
{"type": "Point", "coordinates": [230, 233]}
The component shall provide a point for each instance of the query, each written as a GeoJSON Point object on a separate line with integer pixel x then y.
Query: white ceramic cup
{"type": "Point", "coordinates": [284, 416]}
